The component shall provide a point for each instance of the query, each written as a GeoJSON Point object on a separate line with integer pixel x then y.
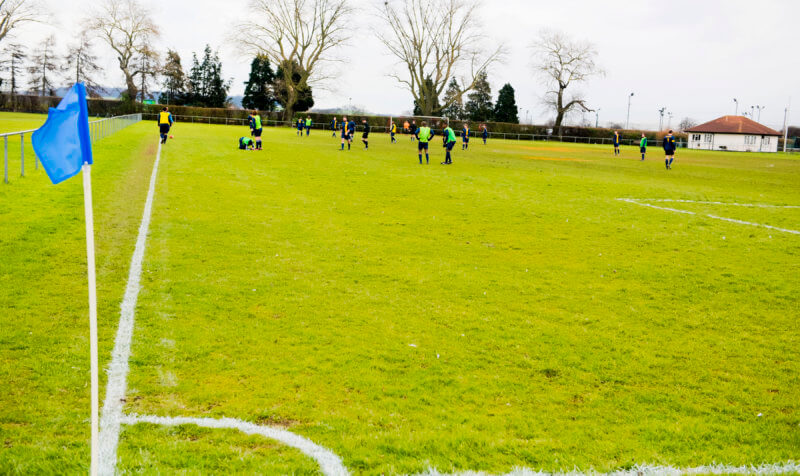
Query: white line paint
{"type": "Point", "coordinates": [329, 463]}
{"type": "Point", "coordinates": [789, 467]}
{"type": "Point", "coordinates": [630, 200]}
{"type": "Point", "coordinates": [118, 368]}
{"type": "Point", "coordinates": [730, 220]}
{"type": "Point", "coordinates": [742, 222]}
{"type": "Point", "coordinates": [700, 202]}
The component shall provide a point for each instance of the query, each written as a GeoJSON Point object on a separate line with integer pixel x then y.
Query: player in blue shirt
{"type": "Point", "coordinates": [351, 131]}
{"type": "Point", "coordinates": [413, 129]}
{"type": "Point", "coordinates": [300, 126]}
{"type": "Point", "coordinates": [669, 149]}
{"type": "Point", "coordinates": [345, 136]}
{"type": "Point", "coordinates": [616, 139]}
{"type": "Point", "coordinates": [485, 133]}
{"type": "Point", "coordinates": [333, 127]}
{"type": "Point", "coordinates": [465, 136]}
{"type": "Point", "coordinates": [164, 124]}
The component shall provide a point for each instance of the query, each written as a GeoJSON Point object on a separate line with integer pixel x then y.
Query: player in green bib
{"type": "Point", "coordinates": [424, 135]}
{"type": "Point", "coordinates": [643, 145]}
{"type": "Point", "coordinates": [449, 141]}
{"type": "Point", "coordinates": [255, 128]}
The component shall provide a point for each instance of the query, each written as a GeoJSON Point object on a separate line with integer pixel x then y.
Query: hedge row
{"type": "Point", "coordinates": [109, 107]}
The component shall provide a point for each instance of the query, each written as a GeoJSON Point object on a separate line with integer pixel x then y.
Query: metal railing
{"type": "Point", "coordinates": [98, 129]}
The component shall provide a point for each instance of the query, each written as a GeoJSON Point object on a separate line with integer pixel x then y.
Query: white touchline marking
{"type": "Point", "coordinates": [112, 417]}
{"type": "Point", "coordinates": [329, 463]}
{"type": "Point", "coordinates": [630, 200]}
{"type": "Point", "coordinates": [732, 204]}
{"type": "Point", "coordinates": [789, 467]}
{"type": "Point", "coordinates": [731, 220]}
{"type": "Point", "coordinates": [118, 368]}
{"type": "Point", "coordinates": [742, 222]}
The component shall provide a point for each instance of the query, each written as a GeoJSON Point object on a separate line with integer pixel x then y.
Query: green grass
{"type": "Point", "coordinates": [552, 325]}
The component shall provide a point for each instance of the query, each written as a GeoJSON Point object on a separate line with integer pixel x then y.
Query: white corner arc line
{"type": "Point", "coordinates": [730, 220]}
{"type": "Point", "coordinates": [118, 368]}
{"type": "Point", "coordinates": [788, 467]}
{"type": "Point", "coordinates": [329, 463]}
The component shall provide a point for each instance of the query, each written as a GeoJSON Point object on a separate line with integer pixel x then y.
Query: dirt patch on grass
{"type": "Point", "coordinates": [555, 159]}
{"type": "Point", "coordinates": [549, 148]}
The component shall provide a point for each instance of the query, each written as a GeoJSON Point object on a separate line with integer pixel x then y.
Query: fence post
{"type": "Point", "coordinates": [5, 161]}
{"type": "Point", "coordinates": [22, 164]}
{"type": "Point", "coordinates": [22, 150]}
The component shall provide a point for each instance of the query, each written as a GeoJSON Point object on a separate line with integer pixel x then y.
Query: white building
{"type": "Point", "coordinates": [735, 133]}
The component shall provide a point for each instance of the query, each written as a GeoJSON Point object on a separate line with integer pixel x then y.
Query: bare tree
{"type": "Point", "coordinates": [43, 68]}
{"type": "Point", "coordinates": [564, 62]}
{"type": "Point", "coordinates": [686, 123]}
{"type": "Point", "coordinates": [295, 32]}
{"type": "Point", "coordinates": [80, 64]}
{"type": "Point", "coordinates": [126, 27]}
{"type": "Point", "coordinates": [14, 13]}
{"type": "Point", "coordinates": [436, 40]}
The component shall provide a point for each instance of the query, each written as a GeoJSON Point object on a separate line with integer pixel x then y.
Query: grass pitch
{"type": "Point", "coordinates": [504, 311]}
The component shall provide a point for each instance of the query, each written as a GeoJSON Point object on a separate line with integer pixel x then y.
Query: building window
{"type": "Point", "coordinates": [696, 137]}
{"type": "Point", "coordinates": [709, 137]}
{"type": "Point", "coordinates": [749, 140]}
{"type": "Point", "coordinates": [765, 141]}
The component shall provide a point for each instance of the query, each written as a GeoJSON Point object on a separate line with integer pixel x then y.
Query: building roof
{"type": "Point", "coordinates": [734, 125]}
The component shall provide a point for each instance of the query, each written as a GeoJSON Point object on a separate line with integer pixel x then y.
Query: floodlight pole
{"type": "Point", "coordinates": [661, 118]}
{"type": "Point", "coordinates": [760, 108]}
{"type": "Point", "coordinates": [785, 128]}
{"type": "Point", "coordinates": [737, 107]}
{"type": "Point", "coordinates": [597, 118]}
{"type": "Point", "coordinates": [628, 120]}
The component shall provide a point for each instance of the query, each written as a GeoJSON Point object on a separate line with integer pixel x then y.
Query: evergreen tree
{"type": "Point", "coordinates": [205, 85]}
{"type": "Point", "coordinates": [305, 97]}
{"type": "Point", "coordinates": [506, 108]}
{"type": "Point", "coordinates": [43, 68]}
{"type": "Point", "coordinates": [174, 86]}
{"type": "Point", "coordinates": [479, 105]}
{"type": "Point", "coordinates": [428, 99]}
{"type": "Point", "coordinates": [259, 88]}
{"type": "Point", "coordinates": [80, 64]}
{"type": "Point", "coordinates": [13, 59]}
{"type": "Point", "coordinates": [455, 111]}
{"type": "Point", "coordinates": [148, 69]}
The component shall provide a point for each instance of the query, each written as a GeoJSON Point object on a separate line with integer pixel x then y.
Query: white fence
{"type": "Point", "coordinates": [97, 130]}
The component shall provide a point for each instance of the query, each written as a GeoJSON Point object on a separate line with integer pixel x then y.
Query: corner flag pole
{"type": "Point", "coordinates": [87, 201]}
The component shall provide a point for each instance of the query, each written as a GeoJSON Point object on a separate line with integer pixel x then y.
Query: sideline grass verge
{"type": "Point", "coordinates": [44, 366]}
{"type": "Point", "coordinates": [502, 312]}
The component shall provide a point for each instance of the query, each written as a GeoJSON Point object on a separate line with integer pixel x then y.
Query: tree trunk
{"type": "Point", "coordinates": [131, 85]}
{"type": "Point", "coordinates": [560, 111]}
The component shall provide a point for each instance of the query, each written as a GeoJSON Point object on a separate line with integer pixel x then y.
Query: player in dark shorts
{"type": "Point", "coordinates": [669, 150]}
{"type": "Point", "coordinates": [365, 135]}
{"type": "Point", "coordinates": [448, 141]}
{"type": "Point", "coordinates": [345, 136]}
{"type": "Point", "coordinates": [465, 136]}
{"type": "Point", "coordinates": [255, 128]}
{"type": "Point", "coordinates": [164, 124]}
{"type": "Point", "coordinates": [245, 143]}
{"type": "Point", "coordinates": [423, 135]}
{"type": "Point", "coordinates": [300, 125]}
{"type": "Point", "coordinates": [643, 145]}
{"type": "Point", "coordinates": [616, 143]}
{"type": "Point", "coordinates": [485, 134]}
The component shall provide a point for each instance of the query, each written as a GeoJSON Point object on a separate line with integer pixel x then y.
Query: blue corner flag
{"type": "Point", "coordinates": [63, 143]}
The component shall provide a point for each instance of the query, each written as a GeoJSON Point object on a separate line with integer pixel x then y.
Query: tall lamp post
{"type": "Point", "coordinates": [736, 113]}
{"type": "Point", "coordinates": [597, 117]}
{"type": "Point", "coordinates": [628, 120]}
{"type": "Point", "coordinates": [661, 118]}
{"type": "Point", "coordinates": [760, 108]}
{"type": "Point", "coordinates": [669, 124]}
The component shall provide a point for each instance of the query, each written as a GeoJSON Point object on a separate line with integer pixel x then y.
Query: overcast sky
{"type": "Point", "coordinates": [692, 56]}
